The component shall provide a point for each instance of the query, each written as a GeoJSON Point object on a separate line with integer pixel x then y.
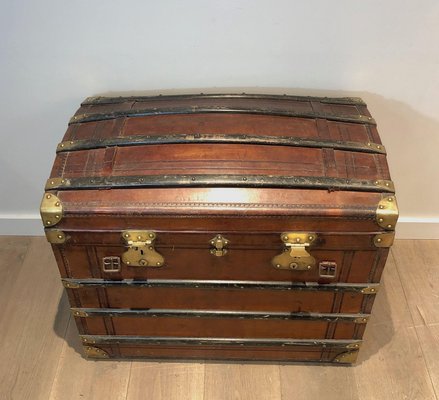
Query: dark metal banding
{"type": "Point", "coordinates": [358, 119]}
{"type": "Point", "coordinates": [101, 100]}
{"type": "Point", "coordinates": [259, 285]}
{"type": "Point", "coordinates": [252, 181]}
{"type": "Point", "coordinates": [158, 340]}
{"type": "Point", "coordinates": [139, 140]}
{"type": "Point", "coordinates": [157, 313]}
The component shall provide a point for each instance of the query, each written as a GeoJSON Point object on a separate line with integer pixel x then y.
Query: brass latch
{"type": "Point", "coordinates": [295, 255]}
{"type": "Point", "coordinates": [219, 243]}
{"type": "Point", "coordinates": [141, 252]}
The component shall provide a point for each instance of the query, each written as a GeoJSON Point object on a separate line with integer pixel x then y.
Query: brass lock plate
{"type": "Point", "coordinates": [141, 252]}
{"type": "Point", "coordinates": [295, 255]}
{"type": "Point", "coordinates": [219, 243]}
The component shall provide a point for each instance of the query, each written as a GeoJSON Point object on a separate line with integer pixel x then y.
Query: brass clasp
{"type": "Point", "coordinates": [295, 256]}
{"type": "Point", "coordinates": [141, 252]}
{"type": "Point", "coordinates": [219, 243]}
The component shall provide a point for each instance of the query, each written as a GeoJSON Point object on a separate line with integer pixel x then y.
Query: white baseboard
{"type": "Point", "coordinates": [407, 227]}
{"type": "Point", "coordinates": [21, 224]}
{"type": "Point", "coordinates": [417, 228]}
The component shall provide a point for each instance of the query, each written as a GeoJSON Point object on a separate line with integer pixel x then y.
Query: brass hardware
{"type": "Point", "coordinates": [111, 264]}
{"type": "Point", "coordinates": [370, 290]}
{"type": "Point", "coordinates": [348, 357]}
{"type": "Point", "coordinates": [384, 239]}
{"type": "Point", "coordinates": [51, 209]}
{"type": "Point", "coordinates": [387, 185]}
{"type": "Point", "coordinates": [361, 320]}
{"type": "Point", "coordinates": [219, 243]}
{"type": "Point", "coordinates": [327, 269]}
{"type": "Point", "coordinates": [295, 256]}
{"type": "Point", "coordinates": [78, 313]}
{"type": "Point", "coordinates": [356, 345]}
{"type": "Point", "coordinates": [65, 146]}
{"type": "Point", "coordinates": [56, 236]}
{"type": "Point", "coordinates": [94, 352]}
{"type": "Point", "coordinates": [387, 213]}
{"type": "Point", "coordinates": [54, 183]}
{"type": "Point", "coordinates": [71, 285]}
{"type": "Point", "coordinates": [87, 340]}
{"type": "Point", "coordinates": [141, 252]}
{"type": "Point", "coordinates": [377, 147]}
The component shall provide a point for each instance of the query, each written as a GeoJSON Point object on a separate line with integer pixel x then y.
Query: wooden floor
{"type": "Point", "coordinates": [40, 353]}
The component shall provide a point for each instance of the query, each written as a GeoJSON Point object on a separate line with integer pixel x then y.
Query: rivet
{"type": "Point", "coordinates": [379, 240]}
{"type": "Point", "coordinates": [139, 237]}
{"type": "Point", "coordinates": [244, 179]}
{"type": "Point", "coordinates": [297, 240]}
{"type": "Point", "coordinates": [387, 184]}
{"type": "Point", "coordinates": [62, 145]}
{"type": "Point", "coordinates": [150, 248]}
{"type": "Point", "coordinates": [390, 199]}
{"type": "Point", "coordinates": [60, 236]}
{"type": "Point", "coordinates": [126, 235]}
{"type": "Point", "coordinates": [277, 265]}
{"type": "Point", "coordinates": [57, 216]}
{"type": "Point", "coordinates": [192, 179]}
{"type": "Point", "coordinates": [309, 267]}
{"type": "Point", "coordinates": [372, 290]}
{"type": "Point", "coordinates": [52, 182]}
{"type": "Point", "coordinates": [389, 226]}
{"type": "Point", "coordinates": [378, 147]}
{"type": "Point", "coordinates": [48, 196]}
{"type": "Point", "coordinates": [381, 206]}
{"type": "Point", "coordinates": [376, 182]}
{"type": "Point", "coordinates": [63, 181]}
{"type": "Point", "coordinates": [212, 242]}
{"type": "Point", "coordinates": [151, 235]}
{"type": "Point", "coordinates": [48, 223]}
{"type": "Point", "coordinates": [57, 204]}
{"type": "Point", "coordinates": [92, 181]}
{"type": "Point", "coordinates": [285, 237]}
{"type": "Point", "coordinates": [127, 263]}
{"type": "Point", "coordinates": [159, 263]}
{"type": "Point", "coordinates": [369, 144]}
{"type": "Point", "coordinates": [71, 142]}
{"type": "Point", "coordinates": [364, 320]}
{"type": "Point", "coordinates": [310, 237]}
{"type": "Point", "coordinates": [380, 220]}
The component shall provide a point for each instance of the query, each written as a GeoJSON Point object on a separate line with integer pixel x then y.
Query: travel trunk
{"type": "Point", "coordinates": [251, 227]}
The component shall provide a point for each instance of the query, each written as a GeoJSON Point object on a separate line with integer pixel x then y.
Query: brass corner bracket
{"type": "Point", "coordinates": [54, 183]}
{"type": "Point", "coordinates": [384, 239]}
{"type": "Point", "coordinates": [56, 236]}
{"type": "Point", "coordinates": [348, 357]}
{"type": "Point", "coordinates": [95, 352]}
{"type": "Point", "coordinates": [387, 213]}
{"type": "Point", "coordinates": [51, 209]}
{"type": "Point", "coordinates": [370, 289]}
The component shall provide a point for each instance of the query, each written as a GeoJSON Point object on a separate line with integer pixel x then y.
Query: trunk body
{"type": "Point", "coordinates": [241, 227]}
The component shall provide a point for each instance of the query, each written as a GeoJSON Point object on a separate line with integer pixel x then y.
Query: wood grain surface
{"type": "Point", "coordinates": [41, 352]}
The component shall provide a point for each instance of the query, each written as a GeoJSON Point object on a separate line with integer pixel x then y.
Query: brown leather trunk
{"type": "Point", "coordinates": [221, 226]}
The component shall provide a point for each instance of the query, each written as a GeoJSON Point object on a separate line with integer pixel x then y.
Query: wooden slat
{"type": "Point", "coordinates": [33, 323]}
{"type": "Point", "coordinates": [429, 338]}
{"type": "Point", "coordinates": [79, 378]}
{"type": "Point", "coordinates": [418, 265]}
{"type": "Point", "coordinates": [242, 381]}
{"type": "Point", "coordinates": [168, 380]}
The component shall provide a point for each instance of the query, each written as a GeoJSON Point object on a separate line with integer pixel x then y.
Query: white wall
{"type": "Point", "coordinates": [55, 53]}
